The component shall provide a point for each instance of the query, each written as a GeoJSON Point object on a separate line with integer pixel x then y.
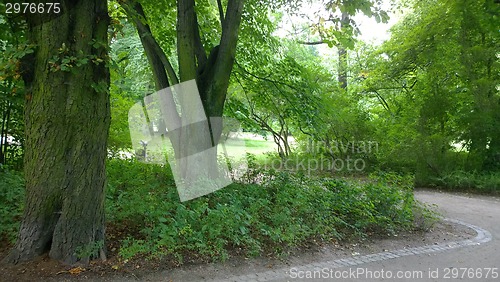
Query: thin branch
{"type": "Point", "coordinates": [259, 120]}
{"type": "Point", "coordinates": [245, 93]}
{"type": "Point", "coordinates": [274, 82]}
{"type": "Point", "coordinates": [382, 101]}
{"type": "Point", "coordinates": [311, 42]}
{"type": "Point", "coordinates": [199, 50]}
{"type": "Point", "coordinates": [413, 84]}
{"type": "Point", "coordinates": [137, 15]}
{"type": "Point", "coordinates": [221, 13]}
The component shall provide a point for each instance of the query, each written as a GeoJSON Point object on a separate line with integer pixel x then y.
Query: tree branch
{"type": "Point", "coordinates": [221, 12]}
{"type": "Point", "coordinates": [186, 39]}
{"type": "Point", "coordinates": [311, 42]}
{"type": "Point", "coordinates": [148, 41]}
{"type": "Point", "coordinates": [382, 101]}
{"type": "Point", "coordinates": [155, 54]}
{"type": "Point", "coordinates": [201, 56]}
{"type": "Point", "coordinates": [216, 96]}
{"type": "Point", "coordinates": [274, 82]}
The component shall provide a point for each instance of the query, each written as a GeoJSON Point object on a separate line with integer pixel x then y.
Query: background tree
{"type": "Point", "coordinates": [131, 79]}
{"type": "Point", "coordinates": [13, 46]}
{"type": "Point", "coordinates": [436, 81]}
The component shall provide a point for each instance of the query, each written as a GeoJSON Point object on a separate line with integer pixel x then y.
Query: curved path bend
{"type": "Point", "coordinates": [476, 259]}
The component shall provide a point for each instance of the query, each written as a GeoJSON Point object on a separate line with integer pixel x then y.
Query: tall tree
{"type": "Point", "coordinates": [211, 70]}
{"type": "Point", "coordinates": [438, 74]}
{"type": "Point", "coordinates": [478, 44]}
{"type": "Point", "coordinates": [336, 27]}
{"type": "Point", "coordinates": [209, 65]}
{"type": "Point", "coordinates": [67, 120]}
{"type": "Point", "coordinates": [342, 51]}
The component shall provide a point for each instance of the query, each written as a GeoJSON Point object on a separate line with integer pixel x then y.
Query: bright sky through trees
{"type": "Point", "coordinates": [371, 31]}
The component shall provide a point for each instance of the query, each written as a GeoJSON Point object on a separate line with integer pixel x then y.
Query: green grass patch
{"type": "Point", "coordinates": [238, 148]}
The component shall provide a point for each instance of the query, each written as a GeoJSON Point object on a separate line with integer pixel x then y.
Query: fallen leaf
{"type": "Point", "coordinates": [76, 270]}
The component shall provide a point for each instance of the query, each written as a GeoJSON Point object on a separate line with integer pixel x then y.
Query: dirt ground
{"type": "Point", "coordinates": [44, 269]}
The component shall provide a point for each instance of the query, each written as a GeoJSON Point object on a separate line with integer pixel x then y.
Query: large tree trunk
{"type": "Point", "coordinates": [67, 119]}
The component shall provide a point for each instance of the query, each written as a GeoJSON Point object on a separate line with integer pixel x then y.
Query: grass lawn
{"type": "Point", "coordinates": [238, 147]}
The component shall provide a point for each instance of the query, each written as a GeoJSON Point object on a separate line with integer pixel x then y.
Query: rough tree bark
{"type": "Point", "coordinates": [67, 119]}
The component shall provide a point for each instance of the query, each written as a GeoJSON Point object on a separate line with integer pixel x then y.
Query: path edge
{"type": "Point", "coordinates": [483, 236]}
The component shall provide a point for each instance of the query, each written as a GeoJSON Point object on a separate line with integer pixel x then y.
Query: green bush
{"type": "Point", "coordinates": [271, 212]}
{"type": "Point", "coordinates": [470, 181]}
{"type": "Point", "coordinates": [11, 202]}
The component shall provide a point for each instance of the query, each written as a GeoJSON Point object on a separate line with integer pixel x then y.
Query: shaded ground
{"type": "Point", "coordinates": [143, 270]}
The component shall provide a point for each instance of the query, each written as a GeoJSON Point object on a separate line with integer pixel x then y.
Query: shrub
{"type": "Point", "coordinates": [11, 202]}
{"type": "Point", "coordinates": [470, 181]}
{"type": "Point", "coordinates": [270, 213]}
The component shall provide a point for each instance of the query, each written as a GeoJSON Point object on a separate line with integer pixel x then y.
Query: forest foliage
{"type": "Point", "coordinates": [428, 98]}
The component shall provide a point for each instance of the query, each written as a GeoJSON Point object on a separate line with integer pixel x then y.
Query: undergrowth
{"type": "Point", "coordinates": [270, 212]}
{"type": "Point", "coordinates": [267, 212]}
{"type": "Point", "coordinates": [487, 183]}
{"type": "Point", "coordinates": [11, 202]}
